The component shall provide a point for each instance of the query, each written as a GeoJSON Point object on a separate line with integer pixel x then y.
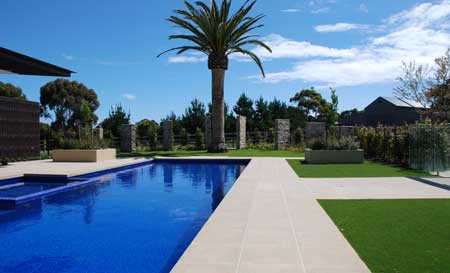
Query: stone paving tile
{"type": "Point", "coordinates": [48, 167]}
{"type": "Point", "coordinates": [375, 188]}
{"type": "Point", "coordinates": [284, 229]}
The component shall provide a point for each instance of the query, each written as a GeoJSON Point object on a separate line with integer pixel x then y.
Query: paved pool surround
{"type": "Point", "coordinates": [64, 169]}
{"type": "Point", "coordinates": [269, 222]}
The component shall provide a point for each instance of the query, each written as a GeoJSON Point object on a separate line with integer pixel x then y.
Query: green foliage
{"type": "Point", "coordinates": [260, 146]}
{"type": "Point", "coordinates": [9, 90]}
{"type": "Point", "coordinates": [333, 143]}
{"type": "Point", "coordinates": [71, 105]}
{"type": "Point", "coordinates": [194, 116]}
{"type": "Point", "coordinates": [299, 138]}
{"type": "Point", "coordinates": [199, 139]}
{"type": "Point", "coordinates": [430, 147]}
{"type": "Point", "coordinates": [263, 118]}
{"type": "Point", "coordinates": [213, 30]}
{"type": "Point", "coordinates": [4, 161]}
{"type": "Point", "coordinates": [244, 107]}
{"type": "Point", "coordinates": [315, 107]}
{"type": "Point", "coordinates": [388, 144]}
{"type": "Point", "coordinates": [85, 144]}
{"type": "Point", "coordinates": [148, 130]}
{"type": "Point", "coordinates": [428, 87]}
{"type": "Point", "coordinates": [117, 117]}
{"type": "Point", "coordinates": [184, 137]}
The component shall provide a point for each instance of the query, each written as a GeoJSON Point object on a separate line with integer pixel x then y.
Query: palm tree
{"type": "Point", "coordinates": [215, 32]}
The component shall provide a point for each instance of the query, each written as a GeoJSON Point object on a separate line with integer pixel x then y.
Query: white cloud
{"type": "Point", "coordinates": [187, 59]}
{"type": "Point", "coordinates": [291, 10]}
{"type": "Point", "coordinates": [68, 57]}
{"type": "Point", "coordinates": [128, 96]}
{"type": "Point", "coordinates": [288, 48]}
{"type": "Point", "coordinates": [339, 27]}
{"type": "Point", "coordinates": [321, 10]}
{"type": "Point", "coordinates": [363, 8]}
{"type": "Point", "coordinates": [419, 34]}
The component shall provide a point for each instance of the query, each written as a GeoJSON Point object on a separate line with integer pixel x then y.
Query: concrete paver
{"type": "Point", "coordinates": [376, 188]}
{"type": "Point", "coordinates": [48, 167]}
{"type": "Point", "coordinates": [269, 222]}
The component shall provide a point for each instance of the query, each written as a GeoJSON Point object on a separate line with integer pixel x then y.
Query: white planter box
{"type": "Point", "coordinates": [83, 155]}
{"type": "Point", "coordinates": [334, 156]}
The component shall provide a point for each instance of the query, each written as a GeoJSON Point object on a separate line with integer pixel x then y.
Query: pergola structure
{"type": "Point", "coordinates": [19, 119]}
{"type": "Point", "coordinates": [12, 62]}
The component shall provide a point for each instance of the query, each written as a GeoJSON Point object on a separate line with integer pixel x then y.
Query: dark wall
{"type": "Point", "coordinates": [383, 112]}
{"type": "Point", "coordinates": [19, 128]}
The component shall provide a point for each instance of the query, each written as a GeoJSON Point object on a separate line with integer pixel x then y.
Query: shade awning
{"type": "Point", "coordinates": [15, 63]}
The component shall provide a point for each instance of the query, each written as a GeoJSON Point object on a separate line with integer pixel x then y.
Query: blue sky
{"type": "Point", "coordinates": [356, 46]}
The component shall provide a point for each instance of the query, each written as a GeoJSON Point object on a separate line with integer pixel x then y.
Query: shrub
{"type": "Point", "coordinates": [260, 146]}
{"type": "Point", "coordinates": [199, 138]}
{"type": "Point", "coordinates": [183, 137]}
{"type": "Point", "coordinates": [4, 161]}
{"type": "Point", "coordinates": [299, 137]}
{"type": "Point", "coordinates": [85, 144]}
{"type": "Point", "coordinates": [333, 143]}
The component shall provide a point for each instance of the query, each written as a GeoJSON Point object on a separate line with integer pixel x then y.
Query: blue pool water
{"type": "Point", "coordinates": [137, 220]}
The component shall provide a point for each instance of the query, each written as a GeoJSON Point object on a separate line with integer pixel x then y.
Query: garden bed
{"type": "Point", "coordinates": [97, 155]}
{"type": "Point", "coordinates": [334, 156]}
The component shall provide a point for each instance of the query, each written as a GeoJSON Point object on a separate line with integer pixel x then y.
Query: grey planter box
{"type": "Point", "coordinates": [334, 156]}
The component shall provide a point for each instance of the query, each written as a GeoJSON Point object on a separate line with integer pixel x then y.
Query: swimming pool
{"type": "Point", "coordinates": [136, 220]}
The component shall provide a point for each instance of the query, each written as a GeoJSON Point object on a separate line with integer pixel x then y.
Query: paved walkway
{"type": "Point", "coordinates": [269, 222]}
{"type": "Point", "coordinates": [49, 167]}
{"type": "Point", "coordinates": [378, 188]}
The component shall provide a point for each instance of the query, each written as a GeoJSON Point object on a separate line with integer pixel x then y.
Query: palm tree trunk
{"type": "Point", "coordinates": [218, 115]}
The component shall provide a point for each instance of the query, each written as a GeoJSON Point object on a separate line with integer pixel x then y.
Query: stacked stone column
{"type": "Point", "coordinates": [128, 138]}
{"type": "Point", "coordinates": [241, 134]}
{"type": "Point", "coordinates": [282, 134]}
{"type": "Point", "coordinates": [168, 135]}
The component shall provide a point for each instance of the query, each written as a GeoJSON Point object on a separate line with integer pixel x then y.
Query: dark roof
{"type": "Point", "coordinates": [403, 102]}
{"type": "Point", "coordinates": [16, 63]}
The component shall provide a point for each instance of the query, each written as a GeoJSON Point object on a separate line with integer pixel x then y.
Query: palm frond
{"type": "Point", "coordinates": [214, 30]}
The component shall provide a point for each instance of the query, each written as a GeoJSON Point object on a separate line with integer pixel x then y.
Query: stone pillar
{"type": "Point", "coordinates": [98, 133]}
{"type": "Point", "coordinates": [168, 135]}
{"type": "Point", "coordinates": [241, 132]}
{"type": "Point", "coordinates": [282, 134]}
{"type": "Point", "coordinates": [128, 138]}
{"type": "Point", "coordinates": [208, 131]}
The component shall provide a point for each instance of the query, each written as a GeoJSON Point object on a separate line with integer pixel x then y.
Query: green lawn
{"type": "Point", "coordinates": [401, 236]}
{"type": "Point", "coordinates": [231, 153]}
{"type": "Point", "coordinates": [368, 169]}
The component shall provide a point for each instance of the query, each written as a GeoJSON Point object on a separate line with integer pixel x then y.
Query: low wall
{"type": "Point", "coordinates": [334, 156]}
{"type": "Point", "coordinates": [83, 155]}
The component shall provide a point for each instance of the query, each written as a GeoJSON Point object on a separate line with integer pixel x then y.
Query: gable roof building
{"type": "Point", "coordinates": [386, 111]}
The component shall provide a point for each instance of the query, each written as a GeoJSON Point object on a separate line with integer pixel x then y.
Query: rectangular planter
{"type": "Point", "coordinates": [83, 155]}
{"type": "Point", "coordinates": [334, 156]}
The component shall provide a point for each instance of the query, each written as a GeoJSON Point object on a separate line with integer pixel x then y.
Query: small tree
{"type": "Point", "coordinates": [199, 139]}
{"type": "Point", "coordinates": [184, 137]}
{"type": "Point", "coordinates": [117, 117]}
{"type": "Point", "coordinates": [9, 90]}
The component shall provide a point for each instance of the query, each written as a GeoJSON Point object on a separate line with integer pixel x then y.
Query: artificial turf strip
{"type": "Point", "coordinates": [231, 153]}
{"type": "Point", "coordinates": [401, 236]}
{"type": "Point", "coordinates": [367, 169]}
